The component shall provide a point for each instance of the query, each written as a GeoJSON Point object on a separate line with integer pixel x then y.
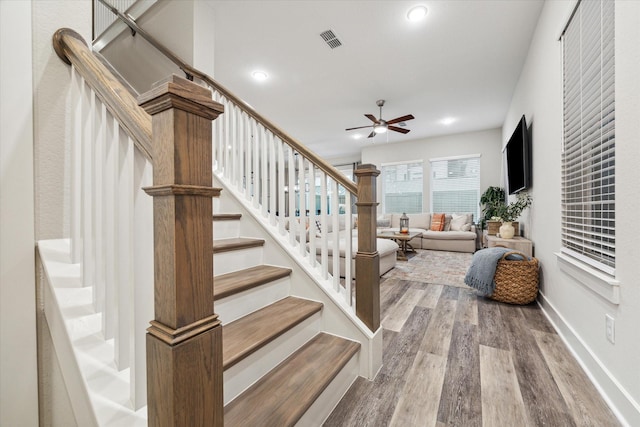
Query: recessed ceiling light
{"type": "Point", "coordinates": [448, 121]}
{"type": "Point", "coordinates": [259, 75]}
{"type": "Point", "coordinates": [357, 136]}
{"type": "Point", "coordinates": [417, 13]}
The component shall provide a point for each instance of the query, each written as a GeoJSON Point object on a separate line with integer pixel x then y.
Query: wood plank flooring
{"type": "Point", "coordinates": [452, 358]}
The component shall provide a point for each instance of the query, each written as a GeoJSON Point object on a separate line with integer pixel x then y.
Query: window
{"type": "Point", "coordinates": [455, 185]}
{"type": "Point", "coordinates": [402, 187]}
{"type": "Point", "coordinates": [588, 154]}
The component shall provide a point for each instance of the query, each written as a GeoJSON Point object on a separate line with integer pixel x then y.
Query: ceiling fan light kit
{"type": "Point", "coordinates": [381, 126]}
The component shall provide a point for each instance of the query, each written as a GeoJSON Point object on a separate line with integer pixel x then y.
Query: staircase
{"type": "Point", "coordinates": [271, 339]}
{"type": "Point", "coordinates": [282, 341]}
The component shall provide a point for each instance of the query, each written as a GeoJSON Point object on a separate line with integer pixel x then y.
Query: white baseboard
{"type": "Point", "coordinates": [625, 408]}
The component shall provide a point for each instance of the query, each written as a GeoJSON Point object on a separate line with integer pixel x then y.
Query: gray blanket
{"type": "Point", "coordinates": [483, 268]}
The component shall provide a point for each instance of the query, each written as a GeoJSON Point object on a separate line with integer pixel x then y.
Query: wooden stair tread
{"type": "Point", "coordinates": [235, 243]}
{"type": "Point", "coordinates": [244, 336]}
{"type": "Point", "coordinates": [282, 396]}
{"type": "Point", "coordinates": [226, 217]}
{"type": "Point", "coordinates": [238, 281]}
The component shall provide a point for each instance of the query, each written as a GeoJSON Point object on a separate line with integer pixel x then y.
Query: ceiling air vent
{"type": "Point", "coordinates": [331, 39]}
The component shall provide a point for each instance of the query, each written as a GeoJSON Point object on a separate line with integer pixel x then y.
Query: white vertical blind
{"type": "Point", "coordinates": [588, 157]}
{"type": "Point", "coordinates": [455, 185]}
{"type": "Point", "coordinates": [402, 185]}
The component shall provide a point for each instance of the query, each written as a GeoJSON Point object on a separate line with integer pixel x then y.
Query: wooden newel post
{"type": "Point", "coordinates": [184, 342]}
{"type": "Point", "coordinates": [367, 257]}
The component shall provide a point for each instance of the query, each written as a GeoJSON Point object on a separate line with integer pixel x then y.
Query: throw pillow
{"type": "Point", "coordinates": [457, 222]}
{"type": "Point", "coordinates": [437, 222]}
{"type": "Point", "coordinates": [383, 223]}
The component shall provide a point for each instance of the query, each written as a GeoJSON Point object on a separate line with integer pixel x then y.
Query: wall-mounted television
{"type": "Point", "coordinates": [519, 159]}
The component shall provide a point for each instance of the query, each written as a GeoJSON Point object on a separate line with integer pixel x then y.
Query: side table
{"type": "Point", "coordinates": [517, 243]}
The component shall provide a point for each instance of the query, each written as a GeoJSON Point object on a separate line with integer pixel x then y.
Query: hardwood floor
{"type": "Point", "coordinates": [452, 358]}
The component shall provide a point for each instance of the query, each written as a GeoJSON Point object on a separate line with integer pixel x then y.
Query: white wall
{"type": "Point", "coordinates": [18, 364]}
{"type": "Point", "coordinates": [51, 82]}
{"type": "Point", "coordinates": [32, 133]}
{"type": "Point", "coordinates": [577, 311]}
{"type": "Point", "coordinates": [486, 143]}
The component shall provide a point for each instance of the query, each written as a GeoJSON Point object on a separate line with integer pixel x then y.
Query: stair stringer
{"type": "Point", "coordinates": [337, 318]}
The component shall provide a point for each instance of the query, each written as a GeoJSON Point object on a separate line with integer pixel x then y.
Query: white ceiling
{"type": "Point", "coordinates": [462, 61]}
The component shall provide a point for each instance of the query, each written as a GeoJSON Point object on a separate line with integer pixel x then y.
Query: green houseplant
{"type": "Point", "coordinates": [491, 200]}
{"type": "Point", "coordinates": [511, 212]}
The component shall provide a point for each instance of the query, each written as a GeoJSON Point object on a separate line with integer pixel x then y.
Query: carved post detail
{"type": "Point", "coordinates": [367, 257]}
{"type": "Point", "coordinates": [184, 341]}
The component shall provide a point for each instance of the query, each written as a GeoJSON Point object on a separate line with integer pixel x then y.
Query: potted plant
{"type": "Point", "coordinates": [509, 213]}
{"type": "Point", "coordinates": [491, 200]}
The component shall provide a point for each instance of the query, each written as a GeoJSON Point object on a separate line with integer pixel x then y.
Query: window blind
{"type": "Point", "coordinates": [402, 185]}
{"type": "Point", "coordinates": [588, 155]}
{"type": "Point", "coordinates": [455, 185]}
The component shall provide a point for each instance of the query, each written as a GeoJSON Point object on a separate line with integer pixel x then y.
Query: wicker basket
{"type": "Point", "coordinates": [516, 281]}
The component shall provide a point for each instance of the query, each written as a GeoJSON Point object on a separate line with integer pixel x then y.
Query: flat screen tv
{"type": "Point", "coordinates": [519, 159]}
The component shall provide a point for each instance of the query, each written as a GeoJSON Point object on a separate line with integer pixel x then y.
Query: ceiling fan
{"type": "Point", "coordinates": [381, 126]}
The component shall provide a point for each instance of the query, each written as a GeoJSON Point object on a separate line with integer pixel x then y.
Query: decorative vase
{"type": "Point", "coordinates": [506, 230]}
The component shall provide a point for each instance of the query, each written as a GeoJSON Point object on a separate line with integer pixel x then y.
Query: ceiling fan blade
{"type": "Point", "coordinates": [361, 127]}
{"type": "Point", "coordinates": [401, 119]}
{"type": "Point", "coordinates": [371, 117]}
{"type": "Point", "coordinates": [397, 129]}
{"type": "Point", "coordinates": [371, 135]}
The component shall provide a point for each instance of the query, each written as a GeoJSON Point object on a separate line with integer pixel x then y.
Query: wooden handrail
{"type": "Point", "coordinates": [72, 49]}
{"type": "Point", "coordinates": [192, 72]}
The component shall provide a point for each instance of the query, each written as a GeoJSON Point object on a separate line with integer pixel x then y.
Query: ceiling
{"type": "Point", "coordinates": [462, 61]}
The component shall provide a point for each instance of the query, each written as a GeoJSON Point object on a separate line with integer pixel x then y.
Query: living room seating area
{"type": "Point", "coordinates": [456, 233]}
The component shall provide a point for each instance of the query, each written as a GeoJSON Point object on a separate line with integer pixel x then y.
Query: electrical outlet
{"type": "Point", "coordinates": [611, 329]}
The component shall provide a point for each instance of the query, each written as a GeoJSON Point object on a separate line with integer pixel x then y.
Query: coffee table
{"type": "Point", "coordinates": [402, 239]}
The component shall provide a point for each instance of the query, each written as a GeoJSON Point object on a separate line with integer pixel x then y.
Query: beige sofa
{"type": "Point", "coordinates": [387, 249]}
{"type": "Point", "coordinates": [459, 234]}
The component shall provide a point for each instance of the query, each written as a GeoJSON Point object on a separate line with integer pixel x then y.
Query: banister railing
{"type": "Point", "coordinates": [192, 72]}
{"type": "Point", "coordinates": [119, 241]}
{"type": "Point", "coordinates": [293, 190]}
{"type": "Point", "coordinates": [72, 49]}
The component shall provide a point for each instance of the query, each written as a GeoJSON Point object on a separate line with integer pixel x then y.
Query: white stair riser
{"type": "Point", "coordinates": [227, 262]}
{"type": "Point", "coordinates": [239, 305]}
{"type": "Point", "coordinates": [249, 370]}
{"type": "Point", "coordinates": [331, 396]}
{"type": "Point", "coordinates": [226, 229]}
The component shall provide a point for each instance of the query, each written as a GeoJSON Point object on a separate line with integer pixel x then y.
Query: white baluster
{"type": "Point", "coordinates": [292, 196]}
{"type": "Point", "coordinates": [87, 186]}
{"type": "Point", "coordinates": [312, 214]}
{"type": "Point", "coordinates": [324, 221]}
{"type": "Point", "coordinates": [76, 166]}
{"type": "Point", "coordinates": [109, 317]}
{"type": "Point", "coordinates": [143, 275]}
{"type": "Point", "coordinates": [272, 179]}
{"type": "Point", "coordinates": [281, 193]}
{"type": "Point", "coordinates": [255, 132]}
{"type": "Point", "coordinates": [124, 241]}
{"type": "Point", "coordinates": [246, 123]}
{"type": "Point", "coordinates": [336, 235]}
{"type": "Point", "coordinates": [303, 206]}
{"type": "Point", "coordinates": [97, 207]}
{"type": "Point", "coordinates": [227, 140]}
{"type": "Point", "coordinates": [264, 177]}
{"type": "Point", "coordinates": [348, 248]}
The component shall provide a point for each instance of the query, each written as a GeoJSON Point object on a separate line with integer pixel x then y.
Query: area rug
{"type": "Point", "coordinates": [436, 267]}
